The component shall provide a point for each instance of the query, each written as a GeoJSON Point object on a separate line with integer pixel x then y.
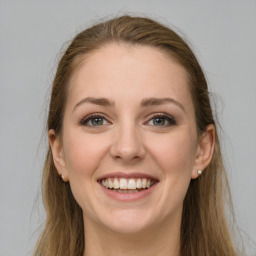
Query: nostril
{"type": "Point", "coordinates": [127, 153]}
{"type": "Point", "coordinates": [127, 144]}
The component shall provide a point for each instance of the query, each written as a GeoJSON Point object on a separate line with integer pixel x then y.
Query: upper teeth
{"type": "Point", "coordinates": [122, 183]}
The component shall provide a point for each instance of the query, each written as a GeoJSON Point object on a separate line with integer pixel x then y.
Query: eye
{"type": "Point", "coordinates": [94, 120]}
{"type": "Point", "coordinates": [162, 120]}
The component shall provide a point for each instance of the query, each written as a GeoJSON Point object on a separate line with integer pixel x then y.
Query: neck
{"type": "Point", "coordinates": [158, 241]}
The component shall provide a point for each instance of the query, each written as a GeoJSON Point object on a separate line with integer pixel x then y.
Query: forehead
{"type": "Point", "coordinates": [123, 71]}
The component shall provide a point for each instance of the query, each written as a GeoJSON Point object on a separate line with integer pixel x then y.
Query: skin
{"type": "Point", "coordinates": [129, 140]}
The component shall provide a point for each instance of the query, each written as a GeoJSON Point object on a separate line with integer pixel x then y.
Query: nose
{"type": "Point", "coordinates": [127, 144]}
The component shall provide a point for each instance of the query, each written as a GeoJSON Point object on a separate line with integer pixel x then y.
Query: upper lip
{"type": "Point", "coordinates": [127, 175]}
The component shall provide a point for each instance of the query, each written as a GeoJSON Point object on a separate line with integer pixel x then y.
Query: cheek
{"type": "Point", "coordinates": [174, 153]}
{"type": "Point", "coordinates": [83, 154]}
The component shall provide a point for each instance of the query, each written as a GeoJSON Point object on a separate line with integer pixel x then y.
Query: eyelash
{"type": "Point", "coordinates": [91, 117]}
{"type": "Point", "coordinates": [167, 118]}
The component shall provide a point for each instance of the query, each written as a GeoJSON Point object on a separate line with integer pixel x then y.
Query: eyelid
{"type": "Point", "coordinates": [86, 118]}
{"type": "Point", "coordinates": [169, 118]}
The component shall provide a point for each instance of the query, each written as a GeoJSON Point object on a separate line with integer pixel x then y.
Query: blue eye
{"type": "Point", "coordinates": [162, 120]}
{"type": "Point", "coordinates": [94, 121]}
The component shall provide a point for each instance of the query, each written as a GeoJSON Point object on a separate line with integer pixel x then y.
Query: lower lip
{"type": "Point", "coordinates": [129, 196]}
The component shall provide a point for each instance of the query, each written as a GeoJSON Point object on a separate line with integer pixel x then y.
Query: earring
{"type": "Point", "coordinates": [62, 177]}
{"type": "Point", "coordinates": [199, 172]}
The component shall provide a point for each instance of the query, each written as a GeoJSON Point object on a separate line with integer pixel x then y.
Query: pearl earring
{"type": "Point", "coordinates": [199, 172]}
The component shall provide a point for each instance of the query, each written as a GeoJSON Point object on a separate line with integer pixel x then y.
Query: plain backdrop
{"type": "Point", "coordinates": [32, 33]}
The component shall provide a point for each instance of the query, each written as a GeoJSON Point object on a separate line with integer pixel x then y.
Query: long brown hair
{"type": "Point", "coordinates": [204, 229]}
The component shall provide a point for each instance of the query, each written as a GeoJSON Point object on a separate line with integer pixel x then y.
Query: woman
{"type": "Point", "coordinates": [134, 165]}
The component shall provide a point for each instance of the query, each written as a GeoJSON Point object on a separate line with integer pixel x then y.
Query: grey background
{"type": "Point", "coordinates": [32, 34]}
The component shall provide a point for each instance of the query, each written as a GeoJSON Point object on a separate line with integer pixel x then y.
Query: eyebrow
{"type": "Point", "coordinates": [96, 101]}
{"type": "Point", "coordinates": [145, 102]}
{"type": "Point", "coordinates": [160, 101]}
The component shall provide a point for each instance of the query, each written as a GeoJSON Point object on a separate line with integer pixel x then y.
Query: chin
{"type": "Point", "coordinates": [129, 221]}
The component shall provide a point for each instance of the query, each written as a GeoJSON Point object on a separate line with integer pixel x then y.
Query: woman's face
{"type": "Point", "coordinates": [129, 146]}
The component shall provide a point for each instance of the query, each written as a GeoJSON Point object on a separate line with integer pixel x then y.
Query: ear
{"type": "Point", "coordinates": [58, 154]}
{"type": "Point", "coordinates": [204, 150]}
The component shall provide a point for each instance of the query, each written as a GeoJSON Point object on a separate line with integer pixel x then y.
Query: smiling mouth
{"type": "Point", "coordinates": [124, 185]}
